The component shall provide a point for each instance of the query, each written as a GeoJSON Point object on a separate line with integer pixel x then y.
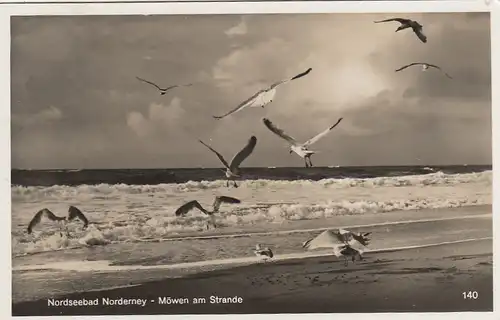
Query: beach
{"type": "Point", "coordinates": [416, 280]}
{"type": "Point", "coordinates": [427, 270]}
{"type": "Point", "coordinates": [431, 234]}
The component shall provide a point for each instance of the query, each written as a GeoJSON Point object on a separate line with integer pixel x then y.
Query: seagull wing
{"type": "Point", "coordinates": [74, 212]}
{"type": "Point", "coordinates": [400, 20]}
{"type": "Point", "coordinates": [321, 135]}
{"type": "Point", "coordinates": [326, 239]}
{"type": "Point", "coordinates": [185, 208]}
{"type": "Point", "coordinates": [243, 154]}
{"type": "Point", "coordinates": [362, 238]}
{"type": "Point", "coordinates": [221, 158]}
{"type": "Point", "coordinates": [36, 220]}
{"type": "Point", "coordinates": [437, 67]}
{"type": "Point", "coordinates": [38, 217]}
{"type": "Point", "coordinates": [178, 85]}
{"type": "Point", "coordinates": [151, 83]}
{"type": "Point", "coordinates": [420, 34]}
{"type": "Point", "coordinates": [279, 132]}
{"type": "Point", "coordinates": [408, 65]}
{"type": "Point", "coordinates": [242, 105]}
{"type": "Point", "coordinates": [223, 199]}
{"type": "Point", "coordinates": [300, 75]}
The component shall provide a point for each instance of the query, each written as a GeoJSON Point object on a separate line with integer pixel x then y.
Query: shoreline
{"type": "Point", "coordinates": [397, 281]}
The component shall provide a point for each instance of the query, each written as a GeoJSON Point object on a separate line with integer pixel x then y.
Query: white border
{"type": "Point", "coordinates": [6, 10]}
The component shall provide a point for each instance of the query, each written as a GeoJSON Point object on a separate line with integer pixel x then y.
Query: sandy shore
{"type": "Point", "coordinates": [417, 280]}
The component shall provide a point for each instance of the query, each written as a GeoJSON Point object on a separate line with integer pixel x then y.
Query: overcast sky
{"type": "Point", "coordinates": [77, 104]}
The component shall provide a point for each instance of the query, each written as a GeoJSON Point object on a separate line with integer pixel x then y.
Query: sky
{"type": "Point", "coordinates": [76, 102]}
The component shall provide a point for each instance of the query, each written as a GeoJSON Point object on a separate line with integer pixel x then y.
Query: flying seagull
{"type": "Point", "coordinates": [73, 213]}
{"type": "Point", "coordinates": [263, 97]}
{"type": "Point", "coordinates": [425, 67]}
{"type": "Point", "coordinates": [266, 253]}
{"type": "Point", "coordinates": [407, 23]}
{"type": "Point", "coordinates": [299, 148]}
{"type": "Point", "coordinates": [163, 90]}
{"type": "Point", "coordinates": [185, 208]}
{"type": "Point", "coordinates": [343, 242]}
{"type": "Point", "coordinates": [232, 170]}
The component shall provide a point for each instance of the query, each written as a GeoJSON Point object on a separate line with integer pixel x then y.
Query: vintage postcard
{"type": "Point", "coordinates": [263, 163]}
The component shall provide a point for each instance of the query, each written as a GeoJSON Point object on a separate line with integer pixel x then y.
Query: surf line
{"type": "Point", "coordinates": [103, 265]}
{"type": "Point", "coordinates": [268, 233]}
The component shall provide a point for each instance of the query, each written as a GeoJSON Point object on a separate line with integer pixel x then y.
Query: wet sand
{"type": "Point", "coordinates": [428, 279]}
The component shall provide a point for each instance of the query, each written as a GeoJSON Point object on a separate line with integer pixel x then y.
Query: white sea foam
{"type": "Point", "coordinates": [106, 266]}
{"type": "Point", "coordinates": [129, 213]}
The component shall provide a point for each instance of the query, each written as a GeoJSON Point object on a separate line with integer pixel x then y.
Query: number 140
{"type": "Point", "coordinates": [470, 295]}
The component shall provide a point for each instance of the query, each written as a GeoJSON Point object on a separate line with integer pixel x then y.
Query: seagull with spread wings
{"type": "Point", "coordinates": [73, 213]}
{"type": "Point", "coordinates": [425, 67]}
{"type": "Point", "coordinates": [163, 90]}
{"type": "Point", "coordinates": [407, 23]}
{"type": "Point", "coordinates": [263, 97]}
{"type": "Point", "coordinates": [343, 242]}
{"type": "Point", "coordinates": [188, 206]}
{"type": "Point", "coordinates": [300, 149]}
{"type": "Point", "coordinates": [232, 170]}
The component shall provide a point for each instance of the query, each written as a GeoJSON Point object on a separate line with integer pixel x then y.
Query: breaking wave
{"type": "Point", "coordinates": [108, 191]}
{"type": "Point", "coordinates": [132, 215]}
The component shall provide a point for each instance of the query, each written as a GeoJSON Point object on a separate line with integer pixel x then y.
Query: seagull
{"type": "Point", "coordinates": [299, 148]}
{"type": "Point", "coordinates": [185, 208]}
{"type": "Point", "coordinates": [407, 23]}
{"type": "Point", "coordinates": [348, 251]}
{"type": "Point", "coordinates": [73, 213]}
{"type": "Point", "coordinates": [425, 67]}
{"type": "Point", "coordinates": [232, 170]}
{"type": "Point", "coordinates": [163, 90]}
{"type": "Point", "coordinates": [38, 217]}
{"type": "Point", "coordinates": [266, 253]}
{"type": "Point", "coordinates": [344, 243]}
{"type": "Point", "coordinates": [263, 97]}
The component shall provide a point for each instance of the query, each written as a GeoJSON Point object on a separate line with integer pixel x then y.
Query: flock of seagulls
{"type": "Point", "coordinates": [345, 243]}
{"type": "Point", "coordinates": [265, 96]}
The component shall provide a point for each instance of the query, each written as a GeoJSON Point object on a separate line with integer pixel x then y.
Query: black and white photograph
{"type": "Point", "coordinates": [251, 163]}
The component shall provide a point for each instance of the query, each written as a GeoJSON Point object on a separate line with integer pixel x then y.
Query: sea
{"type": "Point", "coordinates": [128, 208]}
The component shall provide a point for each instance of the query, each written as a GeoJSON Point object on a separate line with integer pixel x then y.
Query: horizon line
{"type": "Point", "coordinates": [262, 167]}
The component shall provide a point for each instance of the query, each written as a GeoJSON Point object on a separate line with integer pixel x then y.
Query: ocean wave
{"type": "Point", "coordinates": [115, 191]}
{"type": "Point", "coordinates": [156, 227]}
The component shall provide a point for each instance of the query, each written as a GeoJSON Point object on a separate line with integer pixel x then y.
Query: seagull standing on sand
{"type": "Point", "coordinates": [300, 149]}
{"type": "Point", "coordinates": [232, 170]}
{"type": "Point", "coordinates": [266, 253]}
{"type": "Point", "coordinates": [185, 208]}
{"type": "Point", "coordinates": [344, 243]}
{"type": "Point", "coordinates": [407, 23]}
{"type": "Point", "coordinates": [425, 67]}
{"type": "Point", "coordinates": [163, 90]}
{"type": "Point", "coordinates": [73, 213]}
{"type": "Point", "coordinates": [263, 97]}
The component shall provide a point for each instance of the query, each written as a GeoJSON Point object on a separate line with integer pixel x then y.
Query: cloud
{"type": "Point", "coordinates": [48, 115]}
{"type": "Point", "coordinates": [253, 67]}
{"type": "Point", "coordinates": [160, 118]}
{"type": "Point", "coordinates": [389, 117]}
{"type": "Point", "coordinates": [238, 30]}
